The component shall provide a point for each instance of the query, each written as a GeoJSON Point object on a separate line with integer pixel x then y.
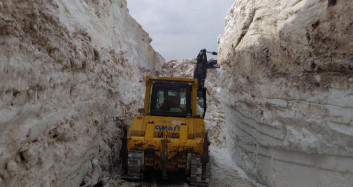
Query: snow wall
{"type": "Point", "coordinates": [287, 83]}
{"type": "Point", "coordinates": [71, 74]}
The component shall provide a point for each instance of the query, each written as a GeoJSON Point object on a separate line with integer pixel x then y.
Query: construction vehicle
{"type": "Point", "coordinates": [169, 134]}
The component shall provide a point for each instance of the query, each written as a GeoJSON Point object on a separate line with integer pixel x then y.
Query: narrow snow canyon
{"type": "Point", "coordinates": [280, 108]}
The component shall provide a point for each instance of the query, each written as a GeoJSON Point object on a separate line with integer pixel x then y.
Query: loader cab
{"type": "Point", "coordinates": [174, 97]}
{"type": "Point", "coordinates": [171, 99]}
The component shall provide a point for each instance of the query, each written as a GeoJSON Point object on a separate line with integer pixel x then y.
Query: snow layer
{"type": "Point", "coordinates": [71, 74]}
{"type": "Point", "coordinates": [287, 84]}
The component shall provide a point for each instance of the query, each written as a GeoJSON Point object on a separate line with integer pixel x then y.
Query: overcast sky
{"type": "Point", "coordinates": [180, 28]}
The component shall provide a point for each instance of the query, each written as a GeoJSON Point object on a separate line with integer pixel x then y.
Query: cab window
{"type": "Point", "coordinates": [170, 99]}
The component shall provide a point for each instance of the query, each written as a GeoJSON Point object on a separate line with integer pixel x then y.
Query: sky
{"type": "Point", "coordinates": [181, 28]}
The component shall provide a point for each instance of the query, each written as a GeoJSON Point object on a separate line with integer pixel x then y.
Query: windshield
{"type": "Point", "coordinates": [170, 99]}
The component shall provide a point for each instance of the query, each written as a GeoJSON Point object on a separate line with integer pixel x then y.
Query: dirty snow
{"type": "Point", "coordinates": [286, 85]}
{"type": "Point", "coordinates": [71, 75]}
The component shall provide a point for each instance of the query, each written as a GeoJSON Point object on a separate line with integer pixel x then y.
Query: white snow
{"type": "Point", "coordinates": [287, 88]}
{"type": "Point", "coordinates": [71, 75]}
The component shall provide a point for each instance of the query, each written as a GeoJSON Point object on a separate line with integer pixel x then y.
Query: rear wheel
{"type": "Point", "coordinates": [135, 165]}
{"type": "Point", "coordinates": [131, 163]}
{"type": "Point", "coordinates": [199, 173]}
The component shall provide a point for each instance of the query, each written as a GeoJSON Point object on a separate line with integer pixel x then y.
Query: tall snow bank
{"type": "Point", "coordinates": [287, 81]}
{"type": "Point", "coordinates": [71, 74]}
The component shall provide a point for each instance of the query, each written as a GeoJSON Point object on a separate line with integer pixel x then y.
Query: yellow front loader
{"type": "Point", "coordinates": [169, 134]}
